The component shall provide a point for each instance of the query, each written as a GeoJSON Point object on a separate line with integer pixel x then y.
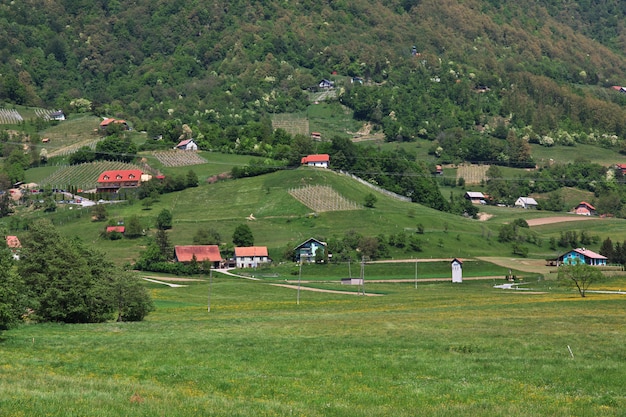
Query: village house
{"type": "Point", "coordinates": [187, 145]}
{"type": "Point", "coordinates": [112, 181]}
{"type": "Point", "coordinates": [475, 197]}
{"type": "Point", "coordinates": [585, 209]}
{"type": "Point", "coordinates": [107, 122]}
{"type": "Point", "coordinates": [526, 202]}
{"type": "Point", "coordinates": [581, 256]}
{"type": "Point", "coordinates": [306, 251]}
{"type": "Point", "coordinates": [202, 253]}
{"type": "Point", "coordinates": [318, 160]}
{"type": "Point", "coordinates": [326, 84]}
{"type": "Point", "coordinates": [251, 256]}
{"type": "Point", "coordinates": [14, 244]}
{"type": "Point", "coordinates": [117, 229]}
{"type": "Point", "coordinates": [57, 115]}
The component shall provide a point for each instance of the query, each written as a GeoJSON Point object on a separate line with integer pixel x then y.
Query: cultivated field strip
{"type": "Point", "coordinates": [84, 176]}
{"type": "Point", "coordinates": [292, 125]}
{"type": "Point", "coordinates": [472, 174]}
{"type": "Point", "coordinates": [320, 198]}
{"type": "Point", "coordinates": [8, 116]}
{"type": "Point", "coordinates": [178, 158]}
{"type": "Point", "coordinates": [68, 150]}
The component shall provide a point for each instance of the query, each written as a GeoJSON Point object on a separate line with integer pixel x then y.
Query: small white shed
{"type": "Point", "coordinates": [457, 270]}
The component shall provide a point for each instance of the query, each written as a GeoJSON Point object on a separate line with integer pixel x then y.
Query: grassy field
{"type": "Point", "coordinates": [438, 350]}
{"type": "Point", "coordinates": [569, 154]}
{"type": "Point", "coordinates": [283, 222]}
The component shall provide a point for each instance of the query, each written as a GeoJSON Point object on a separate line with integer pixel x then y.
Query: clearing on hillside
{"type": "Point", "coordinates": [320, 198]}
{"type": "Point", "coordinates": [472, 174]}
{"type": "Point", "coordinates": [83, 176]}
{"type": "Point", "coordinates": [178, 158]}
{"type": "Point", "coordinates": [292, 124]}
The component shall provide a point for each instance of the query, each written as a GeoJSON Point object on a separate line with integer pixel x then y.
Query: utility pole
{"type": "Point", "coordinates": [299, 279]}
{"type": "Point", "coordinates": [210, 285]}
{"type": "Point", "coordinates": [363, 274]}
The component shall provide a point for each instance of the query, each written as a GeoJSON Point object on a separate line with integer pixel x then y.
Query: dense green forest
{"type": "Point", "coordinates": [480, 79]}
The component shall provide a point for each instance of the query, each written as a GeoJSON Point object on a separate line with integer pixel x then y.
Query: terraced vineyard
{"type": "Point", "coordinates": [178, 158]}
{"type": "Point", "coordinates": [8, 116]}
{"type": "Point", "coordinates": [83, 176]}
{"type": "Point", "coordinates": [68, 150]}
{"type": "Point", "coordinates": [320, 198]}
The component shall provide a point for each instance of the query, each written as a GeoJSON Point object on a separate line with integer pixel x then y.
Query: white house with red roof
{"type": "Point", "coordinates": [202, 253]}
{"type": "Point", "coordinates": [251, 256]}
{"type": "Point", "coordinates": [112, 181]}
{"type": "Point", "coordinates": [585, 209]}
{"type": "Point", "coordinates": [187, 145]}
{"type": "Point", "coordinates": [108, 121]}
{"type": "Point", "coordinates": [316, 160]}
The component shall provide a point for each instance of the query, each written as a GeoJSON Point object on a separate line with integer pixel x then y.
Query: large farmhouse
{"type": "Point", "coordinates": [251, 256]}
{"type": "Point", "coordinates": [112, 181]}
{"type": "Point", "coordinates": [202, 253]}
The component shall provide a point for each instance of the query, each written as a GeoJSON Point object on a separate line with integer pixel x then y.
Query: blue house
{"type": "Point", "coordinates": [581, 256]}
{"type": "Point", "coordinates": [305, 251]}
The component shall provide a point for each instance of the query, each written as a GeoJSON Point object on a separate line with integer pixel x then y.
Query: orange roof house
{"type": "Point", "coordinates": [210, 253]}
{"type": "Point", "coordinates": [317, 160]}
{"type": "Point", "coordinates": [118, 229]}
{"type": "Point", "coordinates": [107, 122]}
{"type": "Point", "coordinates": [585, 209]}
{"type": "Point", "coordinates": [120, 178]}
{"type": "Point", "coordinates": [13, 242]}
{"type": "Point", "coordinates": [251, 256]}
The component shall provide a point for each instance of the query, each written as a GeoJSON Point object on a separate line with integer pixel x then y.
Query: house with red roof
{"type": "Point", "coordinates": [317, 160]}
{"type": "Point", "coordinates": [202, 253]}
{"type": "Point", "coordinates": [118, 229]}
{"type": "Point", "coordinates": [112, 181]}
{"type": "Point", "coordinates": [108, 121]}
{"type": "Point", "coordinates": [187, 145]}
{"type": "Point", "coordinates": [15, 245]}
{"type": "Point", "coordinates": [585, 209]}
{"type": "Point", "coordinates": [581, 256]}
{"type": "Point", "coordinates": [251, 256]}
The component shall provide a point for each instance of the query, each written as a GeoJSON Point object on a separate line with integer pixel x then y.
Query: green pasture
{"type": "Point", "coordinates": [439, 350]}
{"type": "Point", "coordinates": [569, 154]}
{"type": "Point", "coordinates": [332, 119]}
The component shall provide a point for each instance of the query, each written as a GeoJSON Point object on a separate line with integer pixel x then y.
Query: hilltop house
{"type": "Point", "coordinates": [326, 84]}
{"type": "Point", "coordinates": [475, 197]}
{"type": "Point", "coordinates": [318, 160]}
{"type": "Point", "coordinates": [251, 256]}
{"type": "Point", "coordinates": [202, 253]}
{"type": "Point", "coordinates": [306, 251]}
{"type": "Point", "coordinates": [581, 256]}
{"type": "Point", "coordinates": [15, 245]}
{"type": "Point", "coordinates": [112, 181]}
{"type": "Point", "coordinates": [187, 145]}
{"type": "Point", "coordinates": [585, 209]}
{"type": "Point", "coordinates": [107, 122]}
{"type": "Point", "coordinates": [57, 115]}
{"type": "Point", "coordinates": [526, 202]}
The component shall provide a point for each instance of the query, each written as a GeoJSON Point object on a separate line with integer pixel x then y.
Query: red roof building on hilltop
{"type": "Point", "coordinates": [106, 122]}
{"type": "Point", "coordinates": [112, 181]}
{"type": "Point", "coordinates": [13, 242]}
{"type": "Point", "coordinates": [317, 160]}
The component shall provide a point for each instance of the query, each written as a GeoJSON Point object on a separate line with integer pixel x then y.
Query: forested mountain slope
{"type": "Point", "coordinates": [148, 56]}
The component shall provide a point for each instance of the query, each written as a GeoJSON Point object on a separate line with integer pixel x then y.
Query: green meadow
{"type": "Point", "coordinates": [440, 349]}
